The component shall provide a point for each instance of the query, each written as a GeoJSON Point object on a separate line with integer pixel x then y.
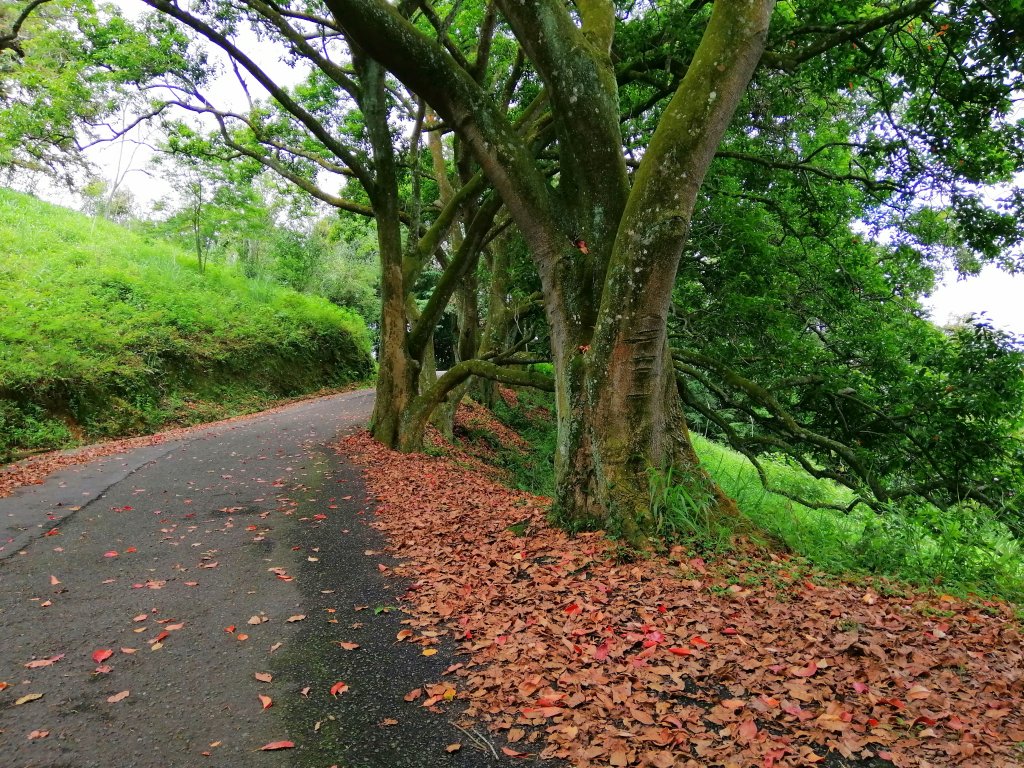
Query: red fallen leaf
{"type": "Point", "coordinates": [699, 641]}
{"type": "Point", "coordinates": [130, 550]}
{"type": "Point", "coordinates": [102, 655]}
{"type": "Point", "coordinates": [747, 730]}
{"type": "Point", "coordinates": [338, 687]}
{"type": "Point", "coordinates": [266, 701]}
{"type": "Point", "coordinates": [550, 701]}
{"type": "Point", "coordinates": [601, 652]}
{"type": "Point", "coordinates": [111, 553]}
{"type": "Point", "coordinates": [230, 628]}
{"type": "Point", "coordinates": [161, 637]}
{"type": "Point", "coordinates": [512, 753]}
{"type": "Point", "coordinates": [860, 687]}
{"type": "Point", "coordinates": [681, 651]}
{"type": "Point", "coordinates": [730, 631]}
{"type": "Point", "coordinates": [52, 532]}
{"type": "Point", "coordinates": [404, 634]}
{"type": "Point", "coordinates": [807, 671]}
{"type": "Point", "coordinates": [277, 745]}
{"type": "Point", "coordinates": [573, 609]}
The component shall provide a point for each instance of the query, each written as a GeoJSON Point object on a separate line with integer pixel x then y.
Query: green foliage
{"type": "Point", "coordinates": [530, 416]}
{"type": "Point", "coordinates": [107, 332]}
{"type": "Point", "coordinates": [961, 549]}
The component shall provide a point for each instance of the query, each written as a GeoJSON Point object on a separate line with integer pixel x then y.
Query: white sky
{"type": "Point", "coordinates": [999, 295]}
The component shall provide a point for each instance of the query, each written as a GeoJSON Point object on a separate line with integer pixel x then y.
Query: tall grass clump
{"type": "Point", "coordinates": [962, 549]}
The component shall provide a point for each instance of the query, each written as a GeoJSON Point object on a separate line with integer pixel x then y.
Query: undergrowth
{"type": "Point", "coordinates": [962, 550]}
{"type": "Point", "coordinates": [104, 332]}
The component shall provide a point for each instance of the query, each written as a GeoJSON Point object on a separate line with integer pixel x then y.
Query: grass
{"type": "Point", "coordinates": [960, 551]}
{"type": "Point", "coordinates": [105, 332]}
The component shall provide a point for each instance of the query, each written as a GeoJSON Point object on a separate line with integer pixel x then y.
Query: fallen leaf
{"type": "Point", "coordinates": [277, 745]}
{"type": "Point", "coordinates": [117, 697]}
{"type": "Point", "coordinates": [338, 687]}
{"type": "Point", "coordinates": [347, 646]}
{"type": "Point", "coordinates": [38, 735]}
{"type": "Point", "coordinates": [242, 637]}
{"type": "Point", "coordinates": [129, 650]}
{"type": "Point", "coordinates": [266, 701]}
{"type": "Point", "coordinates": [264, 677]}
{"type": "Point", "coordinates": [404, 634]}
{"type": "Point", "coordinates": [39, 663]}
{"type": "Point", "coordinates": [414, 694]}
{"type": "Point", "coordinates": [111, 553]}
{"type": "Point", "coordinates": [297, 617]}
{"type": "Point", "coordinates": [429, 651]}
{"type": "Point", "coordinates": [27, 698]}
{"type": "Point", "coordinates": [54, 581]}
{"type": "Point", "coordinates": [453, 747]}
{"type": "Point", "coordinates": [102, 655]}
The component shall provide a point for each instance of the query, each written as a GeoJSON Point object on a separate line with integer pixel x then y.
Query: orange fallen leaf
{"type": "Point", "coordinates": [414, 694]}
{"type": "Point", "coordinates": [348, 646]}
{"type": "Point", "coordinates": [277, 745]}
{"type": "Point", "coordinates": [38, 735]}
{"type": "Point", "coordinates": [54, 581]}
{"type": "Point", "coordinates": [513, 753]}
{"type": "Point", "coordinates": [405, 634]}
{"type": "Point", "coordinates": [453, 747]}
{"type": "Point", "coordinates": [264, 677]}
{"type": "Point", "coordinates": [338, 687]}
{"type": "Point", "coordinates": [141, 617]}
{"type": "Point", "coordinates": [117, 697]}
{"type": "Point", "coordinates": [429, 651]}
{"type": "Point", "coordinates": [243, 638]}
{"type": "Point", "coordinates": [40, 663]}
{"type": "Point", "coordinates": [266, 701]}
{"type": "Point", "coordinates": [296, 617]}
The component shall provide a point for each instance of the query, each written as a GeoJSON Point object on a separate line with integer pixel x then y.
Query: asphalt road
{"type": "Point", "coordinates": [186, 560]}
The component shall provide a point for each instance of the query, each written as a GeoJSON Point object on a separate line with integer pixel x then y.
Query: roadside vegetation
{"type": "Point", "coordinates": [961, 550]}
{"type": "Point", "coordinates": [106, 332]}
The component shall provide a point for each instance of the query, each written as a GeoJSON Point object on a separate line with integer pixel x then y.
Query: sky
{"type": "Point", "coordinates": [996, 294]}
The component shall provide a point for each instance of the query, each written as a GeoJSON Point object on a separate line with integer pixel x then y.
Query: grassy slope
{"type": "Point", "coordinates": [104, 333]}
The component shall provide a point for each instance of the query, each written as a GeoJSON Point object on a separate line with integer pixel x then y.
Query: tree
{"type": "Point", "coordinates": [598, 132]}
{"type": "Point", "coordinates": [67, 71]}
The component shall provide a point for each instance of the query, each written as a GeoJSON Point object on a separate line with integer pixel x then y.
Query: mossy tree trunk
{"type": "Point", "coordinates": [606, 249]}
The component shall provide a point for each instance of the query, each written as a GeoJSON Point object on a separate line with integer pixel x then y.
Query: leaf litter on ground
{"type": "Point", "coordinates": [749, 660]}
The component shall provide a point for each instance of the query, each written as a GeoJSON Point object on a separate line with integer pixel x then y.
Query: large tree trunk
{"type": "Point", "coordinates": [606, 302]}
{"type": "Point", "coordinates": [396, 373]}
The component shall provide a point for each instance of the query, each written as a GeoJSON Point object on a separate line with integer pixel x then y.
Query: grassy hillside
{"type": "Point", "coordinates": [104, 332]}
